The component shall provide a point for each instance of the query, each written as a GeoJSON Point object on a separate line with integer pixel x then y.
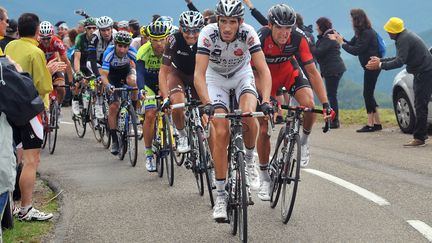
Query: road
{"type": "Point", "coordinates": [358, 187]}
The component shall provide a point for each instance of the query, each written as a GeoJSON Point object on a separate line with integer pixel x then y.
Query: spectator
{"type": "Point", "coordinates": [364, 44]}
{"type": "Point", "coordinates": [4, 23]}
{"type": "Point", "coordinates": [11, 33]}
{"type": "Point", "coordinates": [308, 30]}
{"type": "Point", "coordinates": [72, 36]}
{"type": "Point", "coordinates": [412, 51]}
{"type": "Point", "coordinates": [80, 28]}
{"type": "Point", "coordinates": [134, 28]}
{"type": "Point", "coordinates": [26, 53]}
{"type": "Point", "coordinates": [327, 53]}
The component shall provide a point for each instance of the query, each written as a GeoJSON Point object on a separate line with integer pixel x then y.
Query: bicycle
{"type": "Point", "coordinates": [163, 143]}
{"type": "Point", "coordinates": [284, 166]}
{"type": "Point", "coordinates": [199, 158]}
{"type": "Point", "coordinates": [84, 116]}
{"type": "Point", "coordinates": [127, 125]}
{"type": "Point", "coordinates": [50, 120]}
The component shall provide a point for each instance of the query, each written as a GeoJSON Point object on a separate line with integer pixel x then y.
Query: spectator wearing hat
{"type": "Point", "coordinates": [10, 34]}
{"type": "Point", "coordinates": [412, 51]}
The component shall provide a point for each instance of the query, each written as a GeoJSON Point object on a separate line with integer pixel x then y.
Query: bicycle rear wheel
{"type": "Point", "coordinates": [80, 122]}
{"type": "Point", "coordinates": [53, 126]}
{"type": "Point", "coordinates": [243, 201]}
{"type": "Point", "coordinates": [275, 168]}
{"type": "Point", "coordinates": [290, 178]}
{"type": "Point", "coordinates": [132, 136]}
{"type": "Point", "coordinates": [168, 147]}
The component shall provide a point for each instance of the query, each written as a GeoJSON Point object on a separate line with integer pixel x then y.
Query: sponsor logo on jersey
{"type": "Point", "coordinates": [216, 52]}
{"type": "Point", "coordinates": [251, 41]}
{"type": "Point", "coordinates": [182, 53]}
{"type": "Point", "coordinates": [238, 52]}
{"type": "Point", "coordinates": [206, 42]}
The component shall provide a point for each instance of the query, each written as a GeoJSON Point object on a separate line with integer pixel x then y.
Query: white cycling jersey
{"type": "Point", "coordinates": [102, 45]}
{"type": "Point", "coordinates": [228, 58]}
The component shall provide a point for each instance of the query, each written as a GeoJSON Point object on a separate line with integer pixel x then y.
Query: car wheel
{"type": "Point", "coordinates": [404, 112]}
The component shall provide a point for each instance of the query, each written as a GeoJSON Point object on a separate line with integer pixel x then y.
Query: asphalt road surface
{"type": "Point", "coordinates": [357, 188]}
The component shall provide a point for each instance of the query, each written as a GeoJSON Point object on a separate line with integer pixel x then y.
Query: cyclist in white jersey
{"type": "Point", "coordinates": [225, 50]}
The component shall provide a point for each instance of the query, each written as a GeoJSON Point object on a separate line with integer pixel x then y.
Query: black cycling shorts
{"type": "Point", "coordinates": [29, 134]}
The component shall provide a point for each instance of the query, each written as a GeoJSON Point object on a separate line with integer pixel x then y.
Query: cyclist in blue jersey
{"type": "Point", "coordinates": [118, 68]}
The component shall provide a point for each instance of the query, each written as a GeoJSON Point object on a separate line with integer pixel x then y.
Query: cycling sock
{"type": "Point", "coordinates": [24, 210]}
{"type": "Point", "coordinates": [220, 187]}
{"type": "Point", "coordinates": [182, 132]}
{"type": "Point", "coordinates": [114, 135]}
{"type": "Point", "coordinates": [263, 172]}
{"type": "Point", "coordinates": [149, 152]}
{"type": "Point", "coordinates": [249, 156]}
{"type": "Point", "coordinates": [304, 139]}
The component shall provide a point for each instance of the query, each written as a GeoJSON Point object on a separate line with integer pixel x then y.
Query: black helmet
{"type": "Point", "coordinates": [282, 15]}
{"type": "Point", "coordinates": [158, 29]}
{"type": "Point", "coordinates": [229, 8]}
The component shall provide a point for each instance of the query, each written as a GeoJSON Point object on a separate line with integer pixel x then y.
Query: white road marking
{"type": "Point", "coordinates": [359, 190]}
{"type": "Point", "coordinates": [421, 227]}
{"type": "Point", "coordinates": [65, 122]}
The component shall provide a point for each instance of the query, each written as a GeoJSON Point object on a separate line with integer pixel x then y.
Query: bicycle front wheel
{"type": "Point", "coordinates": [290, 178]}
{"type": "Point", "coordinates": [94, 123]}
{"type": "Point", "coordinates": [132, 136]}
{"type": "Point", "coordinates": [168, 147]}
{"type": "Point", "coordinates": [53, 126]}
{"type": "Point", "coordinates": [103, 125]}
{"type": "Point", "coordinates": [275, 166]}
{"type": "Point", "coordinates": [205, 161]}
{"type": "Point", "coordinates": [244, 198]}
{"type": "Point", "coordinates": [80, 123]}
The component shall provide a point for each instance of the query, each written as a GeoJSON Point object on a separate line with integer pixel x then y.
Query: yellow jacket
{"type": "Point", "coordinates": [25, 52]}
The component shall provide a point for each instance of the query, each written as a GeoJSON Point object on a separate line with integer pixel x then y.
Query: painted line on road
{"type": "Point", "coordinates": [64, 122]}
{"type": "Point", "coordinates": [421, 227]}
{"type": "Point", "coordinates": [359, 190]}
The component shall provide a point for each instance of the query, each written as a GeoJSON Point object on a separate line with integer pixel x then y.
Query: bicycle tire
{"type": "Point", "coordinates": [195, 163]}
{"type": "Point", "coordinates": [275, 169]}
{"type": "Point", "coordinates": [80, 122]}
{"type": "Point", "coordinates": [45, 129]}
{"type": "Point", "coordinates": [132, 144]}
{"type": "Point", "coordinates": [53, 127]}
{"type": "Point", "coordinates": [104, 128]}
{"type": "Point", "coordinates": [244, 198]}
{"type": "Point", "coordinates": [292, 169]}
{"type": "Point", "coordinates": [94, 121]}
{"type": "Point", "coordinates": [122, 135]}
{"type": "Point", "coordinates": [159, 156]}
{"type": "Point", "coordinates": [204, 162]}
{"type": "Point", "coordinates": [232, 208]}
{"type": "Point", "coordinates": [169, 147]}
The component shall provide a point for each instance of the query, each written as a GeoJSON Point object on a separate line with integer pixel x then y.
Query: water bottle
{"type": "Point", "coordinates": [121, 119]}
{"type": "Point", "coordinates": [86, 99]}
{"type": "Point", "coordinates": [98, 108]}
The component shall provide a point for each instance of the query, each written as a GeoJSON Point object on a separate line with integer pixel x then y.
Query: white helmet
{"type": "Point", "coordinates": [191, 20]}
{"type": "Point", "coordinates": [104, 22]}
{"type": "Point", "coordinates": [174, 29]}
{"type": "Point", "coordinates": [123, 24]}
{"type": "Point", "coordinates": [46, 29]}
{"type": "Point", "coordinates": [230, 8]}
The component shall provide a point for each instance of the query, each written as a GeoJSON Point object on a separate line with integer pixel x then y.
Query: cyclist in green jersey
{"type": "Point", "coordinates": [149, 59]}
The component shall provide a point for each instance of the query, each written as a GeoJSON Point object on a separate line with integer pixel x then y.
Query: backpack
{"type": "Point", "coordinates": [19, 99]}
{"type": "Point", "coordinates": [381, 45]}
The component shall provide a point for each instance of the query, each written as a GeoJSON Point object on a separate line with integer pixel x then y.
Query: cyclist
{"type": "Point", "coordinates": [149, 59]}
{"type": "Point", "coordinates": [52, 46]}
{"type": "Point", "coordinates": [118, 68]}
{"type": "Point", "coordinates": [179, 54]}
{"type": "Point", "coordinates": [137, 42]}
{"type": "Point", "coordinates": [80, 59]}
{"type": "Point", "coordinates": [280, 41]}
{"type": "Point", "coordinates": [223, 59]}
{"type": "Point", "coordinates": [101, 39]}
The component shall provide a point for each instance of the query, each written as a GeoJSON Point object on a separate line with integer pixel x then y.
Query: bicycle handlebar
{"type": "Point", "coordinates": [326, 127]}
{"type": "Point", "coordinates": [128, 88]}
{"type": "Point", "coordinates": [239, 115]}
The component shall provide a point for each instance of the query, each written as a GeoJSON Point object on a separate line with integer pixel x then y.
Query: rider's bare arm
{"type": "Point", "coordinates": [201, 65]}
{"type": "Point", "coordinates": [264, 75]}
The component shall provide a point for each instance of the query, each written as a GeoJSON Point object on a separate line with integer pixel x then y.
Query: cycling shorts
{"type": "Point", "coordinates": [150, 104]}
{"type": "Point", "coordinates": [29, 136]}
{"type": "Point", "coordinates": [219, 86]}
{"type": "Point", "coordinates": [177, 80]}
{"type": "Point", "coordinates": [118, 76]}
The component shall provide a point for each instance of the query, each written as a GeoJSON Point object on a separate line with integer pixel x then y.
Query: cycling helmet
{"type": "Point", "coordinates": [123, 37]}
{"type": "Point", "coordinates": [191, 20]}
{"type": "Point", "coordinates": [282, 15]}
{"type": "Point", "coordinates": [104, 22]}
{"type": "Point", "coordinates": [166, 19]}
{"type": "Point", "coordinates": [174, 29]}
{"type": "Point", "coordinates": [90, 22]}
{"type": "Point", "coordinates": [230, 8]}
{"type": "Point", "coordinates": [123, 24]}
{"type": "Point", "coordinates": [143, 30]}
{"type": "Point", "coordinates": [46, 29]}
{"type": "Point", "coordinates": [158, 29]}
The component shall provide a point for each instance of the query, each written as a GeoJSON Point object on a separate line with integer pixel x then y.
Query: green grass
{"type": "Point", "coordinates": [33, 231]}
{"type": "Point", "coordinates": [359, 117]}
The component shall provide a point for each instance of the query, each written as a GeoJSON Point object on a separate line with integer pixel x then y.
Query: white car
{"type": "Point", "coordinates": [403, 101]}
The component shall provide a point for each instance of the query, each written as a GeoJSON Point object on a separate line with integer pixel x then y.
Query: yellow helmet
{"type": "Point", "coordinates": [394, 25]}
{"type": "Point", "coordinates": [143, 31]}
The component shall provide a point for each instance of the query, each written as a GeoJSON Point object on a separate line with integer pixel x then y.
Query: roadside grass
{"type": "Point", "coordinates": [359, 117]}
{"type": "Point", "coordinates": [34, 231]}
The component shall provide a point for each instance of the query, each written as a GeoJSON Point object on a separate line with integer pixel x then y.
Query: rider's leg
{"type": "Point", "coordinates": [248, 103]}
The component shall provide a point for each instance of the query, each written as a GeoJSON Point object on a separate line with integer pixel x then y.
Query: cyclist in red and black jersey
{"type": "Point", "coordinates": [180, 54]}
{"type": "Point", "coordinates": [281, 43]}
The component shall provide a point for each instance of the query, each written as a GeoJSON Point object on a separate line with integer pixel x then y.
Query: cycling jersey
{"type": "Point", "coordinates": [111, 61]}
{"type": "Point", "coordinates": [98, 44]}
{"type": "Point", "coordinates": [180, 54]}
{"type": "Point", "coordinates": [228, 58]}
{"type": "Point", "coordinates": [283, 66]}
{"type": "Point", "coordinates": [81, 45]}
{"type": "Point", "coordinates": [148, 65]}
{"type": "Point", "coordinates": [55, 45]}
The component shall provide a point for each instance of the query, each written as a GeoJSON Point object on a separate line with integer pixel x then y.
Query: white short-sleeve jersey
{"type": "Point", "coordinates": [228, 58]}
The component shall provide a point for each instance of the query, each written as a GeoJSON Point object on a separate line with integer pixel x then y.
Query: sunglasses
{"type": "Point", "coordinates": [105, 29]}
{"type": "Point", "coordinates": [91, 27]}
{"type": "Point", "coordinates": [45, 38]}
{"type": "Point", "coordinates": [190, 31]}
{"type": "Point", "coordinates": [122, 45]}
